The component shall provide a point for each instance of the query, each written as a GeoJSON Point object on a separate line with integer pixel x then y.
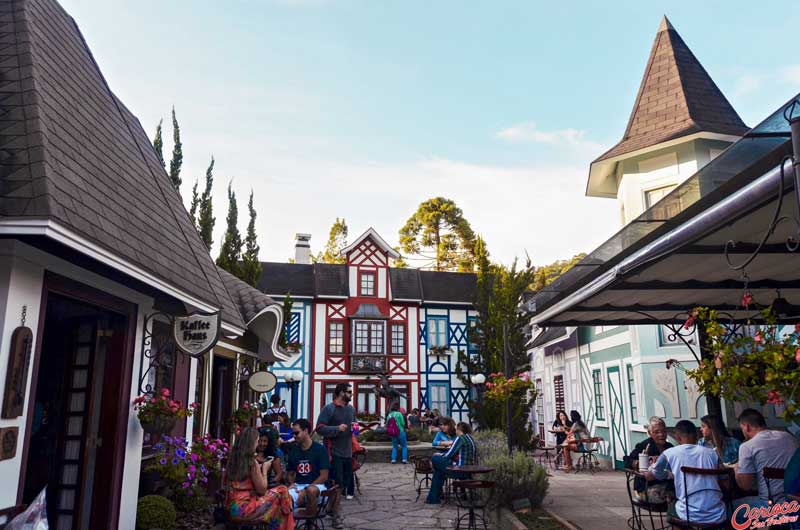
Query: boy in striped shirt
{"type": "Point", "coordinates": [462, 453]}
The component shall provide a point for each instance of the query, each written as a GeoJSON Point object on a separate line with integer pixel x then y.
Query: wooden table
{"type": "Point", "coordinates": [470, 469]}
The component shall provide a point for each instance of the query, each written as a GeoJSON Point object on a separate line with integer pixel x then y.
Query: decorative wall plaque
{"type": "Point", "coordinates": [197, 333]}
{"type": "Point", "coordinates": [8, 442]}
{"type": "Point", "coordinates": [262, 381]}
{"type": "Point", "coordinates": [17, 373]}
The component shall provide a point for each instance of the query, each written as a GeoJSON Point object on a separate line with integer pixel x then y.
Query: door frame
{"type": "Point", "coordinates": [66, 287]}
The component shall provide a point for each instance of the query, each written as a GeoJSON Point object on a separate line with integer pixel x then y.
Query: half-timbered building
{"type": "Point", "coordinates": [355, 321]}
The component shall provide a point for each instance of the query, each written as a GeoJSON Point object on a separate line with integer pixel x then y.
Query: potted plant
{"type": "Point", "coordinates": [243, 416]}
{"type": "Point", "coordinates": [439, 350]}
{"type": "Point", "coordinates": [294, 347]}
{"type": "Point", "coordinates": [159, 414]}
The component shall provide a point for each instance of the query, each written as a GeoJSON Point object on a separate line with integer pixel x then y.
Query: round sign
{"type": "Point", "coordinates": [262, 381]}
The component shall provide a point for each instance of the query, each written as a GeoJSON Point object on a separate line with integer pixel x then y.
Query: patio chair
{"type": "Point", "coordinates": [471, 496]}
{"type": "Point", "coordinates": [305, 519]}
{"type": "Point", "coordinates": [545, 456]}
{"type": "Point", "coordinates": [770, 474]}
{"type": "Point", "coordinates": [643, 509]}
{"type": "Point", "coordinates": [588, 460]}
{"type": "Point", "coordinates": [423, 470]}
{"type": "Point", "coordinates": [688, 524]}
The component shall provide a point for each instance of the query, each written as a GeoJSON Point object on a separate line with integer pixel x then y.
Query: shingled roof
{"type": "Point", "coordinates": [677, 97]}
{"type": "Point", "coordinates": [72, 155]}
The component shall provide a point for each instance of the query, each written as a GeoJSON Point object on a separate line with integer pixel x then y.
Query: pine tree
{"type": "Point", "coordinates": [439, 226]}
{"type": "Point", "coordinates": [158, 144]}
{"type": "Point", "coordinates": [287, 318]}
{"type": "Point", "coordinates": [337, 240]}
{"type": "Point", "coordinates": [205, 220]}
{"type": "Point", "coordinates": [230, 252]}
{"type": "Point", "coordinates": [251, 268]}
{"type": "Point", "coordinates": [195, 203]}
{"type": "Point", "coordinates": [177, 154]}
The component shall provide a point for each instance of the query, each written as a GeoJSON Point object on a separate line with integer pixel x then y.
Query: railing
{"type": "Point", "coordinates": [368, 363]}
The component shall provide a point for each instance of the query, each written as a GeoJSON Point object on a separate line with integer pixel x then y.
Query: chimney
{"type": "Point", "coordinates": [302, 248]}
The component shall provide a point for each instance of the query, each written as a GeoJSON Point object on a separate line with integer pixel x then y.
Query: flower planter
{"type": "Point", "coordinates": [159, 425]}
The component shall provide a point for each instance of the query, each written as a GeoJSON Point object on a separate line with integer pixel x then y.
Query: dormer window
{"type": "Point", "coordinates": [366, 284]}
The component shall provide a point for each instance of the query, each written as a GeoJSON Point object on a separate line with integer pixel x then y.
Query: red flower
{"type": "Point", "coordinates": [774, 397]}
{"type": "Point", "coordinates": [747, 298]}
{"type": "Point", "coordinates": [797, 328]}
{"type": "Point", "coordinates": [165, 392]}
{"type": "Point", "coordinates": [758, 338]}
{"type": "Point", "coordinates": [797, 355]}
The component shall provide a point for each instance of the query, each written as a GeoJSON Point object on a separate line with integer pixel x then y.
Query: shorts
{"type": "Point", "coordinates": [295, 490]}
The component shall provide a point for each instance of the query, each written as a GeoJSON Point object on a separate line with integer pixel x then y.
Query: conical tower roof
{"type": "Point", "coordinates": [677, 97]}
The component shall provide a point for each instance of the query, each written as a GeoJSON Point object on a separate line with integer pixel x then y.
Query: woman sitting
{"type": "Point", "coordinates": [444, 437]}
{"type": "Point", "coordinates": [576, 433]}
{"type": "Point", "coordinates": [268, 449]}
{"type": "Point", "coordinates": [655, 492]}
{"type": "Point", "coordinates": [248, 497]}
{"type": "Point", "coordinates": [561, 426]}
{"type": "Point", "coordinates": [715, 436]}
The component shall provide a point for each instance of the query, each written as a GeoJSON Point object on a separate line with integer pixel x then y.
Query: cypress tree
{"type": "Point", "coordinates": [195, 203]}
{"type": "Point", "coordinates": [251, 267]}
{"type": "Point", "coordinates": [283, 340]}
{"type": "Point", "coordinates": [205, 220]}
{"type": "Point", "coordinates": [177, 154]}
{"type": "Point", "coordinates": [231, 250]}
{"type": "Point", "coordinates": [158, 144]}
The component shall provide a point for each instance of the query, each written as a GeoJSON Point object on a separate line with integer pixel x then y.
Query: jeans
{"type": "Point", "coordinates": [440, 473]}
{"type": "Point", "coordinates": [342, 473]}
{"type": "Point", "coordinates": [401, 440]}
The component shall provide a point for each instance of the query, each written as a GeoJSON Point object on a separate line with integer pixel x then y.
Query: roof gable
{"type": "Point", "coordinates": [377, 239]}
{"type": "Point", "coordinates": [75, 156]}
{"type": "Point", "coordinates": [676, 98]}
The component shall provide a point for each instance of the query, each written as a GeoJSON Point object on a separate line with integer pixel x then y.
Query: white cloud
{"type": "Point", "coordinates": [528, 132]}
{"type": "Point", "coordinates": [791, 74]}
{"type": "Point", "coordinates": [748, 84]}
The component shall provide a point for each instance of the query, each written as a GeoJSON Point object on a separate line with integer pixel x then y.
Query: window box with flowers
{"type": "Point", "coordinates": [294, 347]}
{"type": "Point", "coordinates": [159, 414]}
{"type": "Point", "coordinates": [439, 350]}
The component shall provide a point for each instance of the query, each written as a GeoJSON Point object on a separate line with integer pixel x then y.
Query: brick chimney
{"type": "Point", "coordinates": [302, 248]}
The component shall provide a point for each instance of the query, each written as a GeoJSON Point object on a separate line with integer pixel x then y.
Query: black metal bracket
{"type": "Point", "coordinates": [157, 351]}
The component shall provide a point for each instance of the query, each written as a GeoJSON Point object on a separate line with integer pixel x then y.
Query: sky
{"type": "Point", "coordinates": [364, 109]}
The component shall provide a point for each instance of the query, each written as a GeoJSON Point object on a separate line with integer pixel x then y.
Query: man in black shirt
{"type": "Point", "coordinates": [308, 471]}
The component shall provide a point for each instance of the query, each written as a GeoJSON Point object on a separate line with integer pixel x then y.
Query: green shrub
{"type": "Point", "coordinates": [155, 511]}
{"type": "Point", "coordinates": [422, 435]}
{"type": "Point", "coordinates": [195, 502]}
{"type": "Point", "coordinates": [490, 444]}
{"type": "Point", "coordinates": [517, 477]}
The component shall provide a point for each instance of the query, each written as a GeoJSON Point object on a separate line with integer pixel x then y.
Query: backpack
{"type": "Point", "coordinates": [392, 428]}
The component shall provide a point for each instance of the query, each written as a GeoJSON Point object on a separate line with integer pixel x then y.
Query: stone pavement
{"type": "Point", "coordinates": [590, 502]}
{"type": "Point", "coordinates": [387, 502]}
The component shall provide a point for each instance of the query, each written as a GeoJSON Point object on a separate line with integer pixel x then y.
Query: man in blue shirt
{"type": "Point", "coordinates": [308, 471]}
{"type": "Point", "coordinates": [462, 453]}
{"type": "Point", "coordinates": [699, 496]}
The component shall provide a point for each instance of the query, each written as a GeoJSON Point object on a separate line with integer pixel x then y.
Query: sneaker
{"type": "Point", "coordinates": [338, 521]}
{"type": "Point", "coordinates": [349, 497]}
{"type": "Point", "coordinates": [405, 461]}
{"type": "Point", "coordinates": [394, 461]}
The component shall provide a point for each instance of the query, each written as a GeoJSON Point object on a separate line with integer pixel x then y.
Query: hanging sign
{"type": "Point", "coordinates": [17, 373]}
{"type": "Point", "coordinates": [262, 381]}
{"type": "Point", "coordinates": [197, 333]}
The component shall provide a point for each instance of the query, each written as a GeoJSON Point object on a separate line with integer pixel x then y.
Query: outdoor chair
{"type": "Point", "coordinates": [423, 470]}
{"type": "Point", "coordinates": [688, 524]}
{"type": "Point", "coordinates": [545, 456]}
{"type": "Point", "coordinates": [472, 495]}
{"type": "Point", "coordinates": [306, 520]}
{"type": "Point", "coordinates": [588, 460]}
{"type": "Point", "coordinates": [770, 474]}
{"type": "Point", "coordinates": [643, 510]}
{"type": "Point", "coordinates": [359, 459]}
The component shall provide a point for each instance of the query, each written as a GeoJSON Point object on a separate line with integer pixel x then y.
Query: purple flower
{"type": "Point", "coordinates": [180, 453]}
{"type": "Point", "coordinates": [203, 468]}
{"type": "Point", "coordinates": [190, 493]}
{"type": "Point", "coordinates": [163, 461]}
{"type": "Point", "coordinates": [175, 461]}
{"type": "Point", "coordinates": [185, 484]}
{"type": "Point", "coordinates": [205, 441]}
{"type": "Point", "coordinates": [192, 468]}
{"type": "Point", "coordinates": [195, 458]}
{"type": "Point", "coordinates": [158, 447]}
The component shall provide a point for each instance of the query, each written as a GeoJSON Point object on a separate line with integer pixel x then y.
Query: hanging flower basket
{"type": "Point", "coordinates": [159, 414]}
{"type": "Point", "coordinates": [159, 425]}
{"type": "Point", "coordinates": [294, 347]}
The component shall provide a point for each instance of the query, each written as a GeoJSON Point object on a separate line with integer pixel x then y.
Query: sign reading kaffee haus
{"type": "Point", "coordinates": [197, 333]}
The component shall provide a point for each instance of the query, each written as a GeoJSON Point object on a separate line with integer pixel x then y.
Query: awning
{"type": "Point", "coordinates": [673, 257]}
{"type": "Point", "coordinates": [370, 311]}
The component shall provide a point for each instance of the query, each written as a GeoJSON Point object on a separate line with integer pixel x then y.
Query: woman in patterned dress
{"type": "Point", "coordinates": [249, 499]}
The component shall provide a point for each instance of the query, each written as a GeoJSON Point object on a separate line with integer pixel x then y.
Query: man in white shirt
{"type": "Point", "coordinates": [762, 448]}
{"type": "Point", "coordinates": [699, 496]}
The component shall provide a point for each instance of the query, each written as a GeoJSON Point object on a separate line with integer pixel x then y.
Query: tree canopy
{"type": "Point", "coordinates": [439, 232]}
{"type": "Point", "coordinates": [230, 251]}
{"type": "Point", "coordinates": [251, 266]}
{"type": "Point", "coordinates": [177, 154]}
{"type": "Point", "coordinates": [547, 274]}
{"type": "Point", "coordinates": [158, 144]}
{"type": "Point", "coordinates": [205, 219]}
{"type": "Point", "coordinates": [337, 240]}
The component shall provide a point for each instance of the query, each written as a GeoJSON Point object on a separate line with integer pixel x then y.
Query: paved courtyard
{"type": "Point", "coordinates": [590, 502]}
{"type": "Point", "coordinates": [387, 502]}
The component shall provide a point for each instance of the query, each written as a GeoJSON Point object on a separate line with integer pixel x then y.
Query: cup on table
{"type": "Point", "coordinates": [644, 462]}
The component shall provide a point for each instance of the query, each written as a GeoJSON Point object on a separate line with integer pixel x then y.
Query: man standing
{"type": "Point", "coordinates": [762, 448]}
{"type": "Point", "coordinates": [705, 505]}
{"type": "Point", "coordinates": [308, 472]}
{"type": "Point", "coordinates": [272, 415]}
{"type": "Point", "coordinates": [335, 423]}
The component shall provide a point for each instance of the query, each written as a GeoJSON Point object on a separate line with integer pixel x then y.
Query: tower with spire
{"type": "Point", "coordinates": [679, 122]}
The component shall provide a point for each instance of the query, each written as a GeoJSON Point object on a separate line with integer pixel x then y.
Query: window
{"type": "Point", "coordinates": [472, 330]}
{"type": "Point", "coordinates": [540, 409]}
{"type": "Point", "coordinates": [632, 395]}
{"type": "Point", "coordinates": [366, 400]}
{"type": "Point", "coordinates": [597, 379]}
{"type": "Point", "coordinates": [335, 337]}
{"type": "Point", "coordinates": [327, 393]}
{"type": "Point", "coordinates": [369, 337]}
{"type": "Point", "coordinates": [366, 284]}
{"type": "Point", "coordinates": [438, 397]}
{"type": "Point", "coordinates": [398, 339]}
{"type": "Point", "coordinates": [437, 332]}
{"type": "Point", "coordinates": [558, 388]}
{"type": "Point", "coordinates": [653, 196]}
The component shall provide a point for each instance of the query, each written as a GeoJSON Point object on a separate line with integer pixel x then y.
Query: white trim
{"type": "Point", "coordinates": [378, 239]}
{"type": "Point", "coordinates": [332, 297]}
{"type": "Point", "coordinates": [293, 297]}
{"type": "Point", "coordinates": [446, 303]}
{"type": "Point", "coordinates": [276, 310]}
{"type": "Point", "coordinates": [65, 236]}
{"type": "Point", "coordinates": [405, 300]}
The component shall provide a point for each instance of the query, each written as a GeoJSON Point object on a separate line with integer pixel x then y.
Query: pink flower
{"type": "Point", "coordinates": [797, 355]}
{"type": "Point", "coordinates": [165, 392]}
{"type": "Point", "coordinates": [774, 397]}
{"type": "Point", "coordinates": [489, 385]}
{"type": "Point", "coordinates": [153, 401]}
{"type": "Point", "coordinates": [797, 328]}
{"type": "Point", "coordinates": [747, 298]}
{"type": "Point", "coordinates": [758, 338]}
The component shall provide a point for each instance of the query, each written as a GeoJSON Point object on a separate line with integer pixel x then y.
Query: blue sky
{"type": "Point", "coordinates": [364, 109]}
